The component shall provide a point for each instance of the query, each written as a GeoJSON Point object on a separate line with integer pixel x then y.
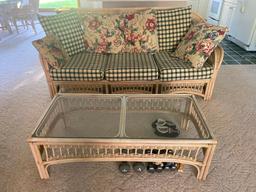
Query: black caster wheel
{"type": "Point", "coordinates": [124, 167]}
{"type": "Point", "coordinates": [151, 168]}
{"type": "Point", "coordinates": [138, 167]}
{"type": "Point", "coordinates": [159, 168]}
{"type": "Point", "coordinates": [174, 167]}
{"type": "Point", "coordinates": [168, 165]}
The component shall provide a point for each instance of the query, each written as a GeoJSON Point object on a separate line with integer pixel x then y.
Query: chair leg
{"type": "Point", "coordinates": [33, 24]}
{"type": "Point", "coordinates": [14, 21]}
{"type": "Point", "coordinates": [9, 28]}
{"type": "Point", "coordinates": [26, 24]}
{"type": "Point", "coordinates": [5, 24]}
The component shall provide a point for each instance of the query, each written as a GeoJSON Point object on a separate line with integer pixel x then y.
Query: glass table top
{"type": "Point", "coordinates": [123, 117]}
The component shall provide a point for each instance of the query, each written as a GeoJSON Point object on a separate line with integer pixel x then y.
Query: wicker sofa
{"type": "Point", "coordinates": [164, 74]}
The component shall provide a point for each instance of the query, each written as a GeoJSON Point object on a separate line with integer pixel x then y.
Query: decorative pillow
{"type": "Point", "coordinates": [126, 32]}
{"type": "Point", "coordinates": [140, 32]}
{"type": "Point", "coordinates": [172, 25]}
{"type": "Point", "coordinates": [51, 48]}
{"type": "Point", "coordinates": [67, 28]}
{"type": "Point", "coordinates": [102, 34]}
{"type": "Point", "coordinates": [199, 42]}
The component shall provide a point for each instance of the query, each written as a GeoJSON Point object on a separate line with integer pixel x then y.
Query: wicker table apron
{"type": "Point", "coordinates": [79, 127]}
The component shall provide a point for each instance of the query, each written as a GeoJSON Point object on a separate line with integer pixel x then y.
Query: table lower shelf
{"type": "Point", "coordinates": [197, 154]}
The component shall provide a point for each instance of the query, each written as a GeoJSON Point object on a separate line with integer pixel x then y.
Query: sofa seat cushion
{"type": "Point", "coordinates": [81, 67]}
{"type": "Point", "coordinates": [171, 68]}
{"type": "Point", "coordinates": [131, 67]}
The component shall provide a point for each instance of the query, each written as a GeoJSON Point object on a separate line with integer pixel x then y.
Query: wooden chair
{"type": "Point", "coordinates": [4, 23]}
{"type": "Point", "coordinates": [26, 14]}
{"type": "Point", "coordinates": [5, 18]}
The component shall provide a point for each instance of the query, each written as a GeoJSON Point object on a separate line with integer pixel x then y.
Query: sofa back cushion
{"type": "Point", "coordinates": [102, 34]}
{"type": "Point", "coordinates": [52, 51]}
{"type": "Point", "coordinates": [133, 31]}
{"type": "Point", "coordinates": [172, 25]}
{"type": "Point", "coordinates": [140, 32]}
{"type": "Point", "coordinates": [67, 28]}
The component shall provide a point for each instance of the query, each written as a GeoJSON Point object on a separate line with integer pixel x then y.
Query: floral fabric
{"type": "Point", "coordinates": [52, 50]}
{"type": "Point", "coordinates": [102, 34]}
{"type": "Point", "coordinates": [140, 32]}
{"type": "Point", "coordinates": [127, 32]}
{"type": "Point", "coordinates": [199, 42]}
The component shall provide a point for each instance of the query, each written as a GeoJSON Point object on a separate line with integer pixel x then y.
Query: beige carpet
{"type": "Point", "coordinates": [231, 114]}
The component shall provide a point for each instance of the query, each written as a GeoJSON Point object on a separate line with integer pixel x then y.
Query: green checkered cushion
{"type": "Point", "coordinates": [131, 67]}
{"type": "Point", "coordinates": [171, 68]}
{"type": "Point", "coordinates": [172, 25]}
{"type": "Point", "coordinates": [67, 28]}
{"type": "Point", "coordinates": [81, 67]}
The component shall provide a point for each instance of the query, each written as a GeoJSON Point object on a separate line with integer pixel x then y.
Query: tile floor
{"type": "Point", "coordinates": [235, 55]}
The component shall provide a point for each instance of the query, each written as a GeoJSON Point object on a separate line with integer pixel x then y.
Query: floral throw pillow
{"type": "Point", "coordinates": [102, 33]}
{"type": "Point", "coordinates": [126, 32]}
{"type": "Point", "coordinates": [199, 42]}
{"type": "Point", "coordinates": [52, 50]}
{"type": "Point", "coordinates": [140, 32]}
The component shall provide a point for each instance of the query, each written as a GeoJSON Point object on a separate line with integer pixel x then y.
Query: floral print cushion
{"type": "Point", "coordinates": [199, 42]}
{"type": "Point", "coordinates": [140, 32]}
{"type": "Point", "coordinates": [102, 34]}
{"type": "Point", "coordinates": [52, 50]}
{"type": "Point", "coordinates": [127, 32]}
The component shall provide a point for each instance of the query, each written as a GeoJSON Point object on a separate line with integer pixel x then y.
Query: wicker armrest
{"type": "Point", "coordinates": [216, 57]}
{"type": "Point", "coordinates": [46, 66]}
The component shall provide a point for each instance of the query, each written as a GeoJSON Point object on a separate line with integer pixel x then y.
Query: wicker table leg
{"type": "Point", "coordinates": [208, 163]}
{"type": "Point", "coordinates": [181, 168]}
{"type": "Point", "coordinates": [185, 119]}
{"type": "Point", "coordinates": [39, 162]}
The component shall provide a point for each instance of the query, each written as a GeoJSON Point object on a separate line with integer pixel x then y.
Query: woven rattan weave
{"type": "Point", "coordinates": [200, 87]}
{"type": "Point", "coordinates": [93, 127]}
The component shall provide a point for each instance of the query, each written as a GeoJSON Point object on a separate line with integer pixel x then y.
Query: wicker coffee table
{"type": "Point", "coordinates": [87, 127]}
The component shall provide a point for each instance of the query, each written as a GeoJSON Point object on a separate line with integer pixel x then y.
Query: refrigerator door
{"type": "Point", "coordinates": [243, 23]}
{"type": "Point", "coordinates": [215, 9]}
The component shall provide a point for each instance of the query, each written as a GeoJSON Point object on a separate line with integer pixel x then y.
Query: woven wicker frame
{"type": "Point", "coordinates": [203, 87]}
{"type": "Point", "coordinates": [58, 151]}
{"type": "Point", "coordinates": [195, 152]}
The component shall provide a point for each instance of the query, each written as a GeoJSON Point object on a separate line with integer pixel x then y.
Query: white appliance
{"type": "Point", "coordinates": [243, 25]}
{"type": "Point", "coordinates": [227, 12]}
{"type": "Point", "coordinates": [200, 7]}
{"type": "Point", "coordinates": [214, 13]}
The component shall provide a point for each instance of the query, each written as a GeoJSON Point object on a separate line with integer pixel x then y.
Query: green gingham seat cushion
{"type": "Point", "coordinates": [67, 28]}
{"type": "Point", "coordinates": [81, 67]}
{"type": "Point", "coordinates": [172, 25]}
{"type": "Point", "coordinates": [131, 67]}
{"type": "Point", "coordinates": [171, 68]}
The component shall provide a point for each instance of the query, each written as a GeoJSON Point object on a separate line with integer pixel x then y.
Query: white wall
{"type": "Point", "coordinates": [134, 3]}
{"type": "Point", "coordinates": [90, 4]}
{"type": "Point", "coordinates": [199, 6]}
